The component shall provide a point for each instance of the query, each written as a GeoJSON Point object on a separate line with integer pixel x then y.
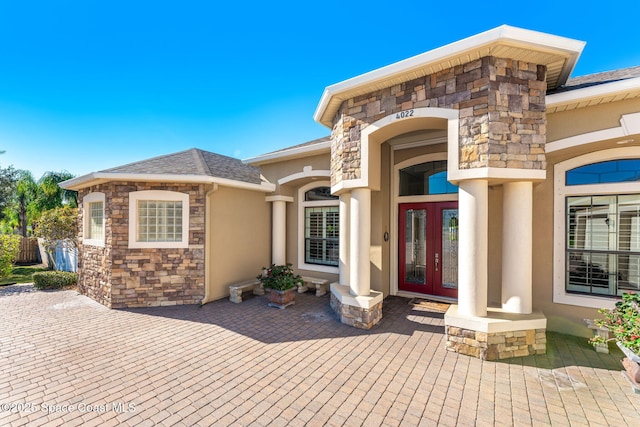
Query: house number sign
{"type": "Point", "coordinates": [404, 114]}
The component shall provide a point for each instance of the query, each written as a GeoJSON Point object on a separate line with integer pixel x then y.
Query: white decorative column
{"type": "Point", "coordinates": [488, 332]}
{"type": "Point", "coordinates": [517, 250]}
{"type": "Point", "coordinates": [279, 228]}
{"type": "Point", "coordinates": [473, 205]}
{"type": "Point", "coordinates": [352, 298]}
{"type": "Point", "coordinates": [360, 242]}
{"type": "Point", "coordinates": [345, 201]}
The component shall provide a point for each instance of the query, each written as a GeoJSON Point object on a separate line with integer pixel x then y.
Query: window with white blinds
{"type": "Point", "coordinates": [603, 244]}
{"type": "Point", "coordinates": [318, 228]}
{"type": "Point", "coordinates": [322, 235]}
{"type": "Point", "coordinates": [96, 220]}
{"type": "Point", "coordinates": [93, 223]}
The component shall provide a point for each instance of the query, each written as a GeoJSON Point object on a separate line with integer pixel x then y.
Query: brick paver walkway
{"type": "Point", "coordinates": [66, 360]}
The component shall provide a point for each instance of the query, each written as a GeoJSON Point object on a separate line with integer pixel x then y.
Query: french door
{"type": "Point", "coordinates": [428, 248]}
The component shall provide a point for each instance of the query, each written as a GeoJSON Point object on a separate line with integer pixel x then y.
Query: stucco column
{"type": "Point", "coordinates": [360, 242]}
{"type": "Point", "coordinates": [517, 251]}
{"type": "Point", "coordinates": [473, 205]}
{"type": "Point", "coordinates": [345, 200]}
{"type": "Point", "coordinates": [279, 228]}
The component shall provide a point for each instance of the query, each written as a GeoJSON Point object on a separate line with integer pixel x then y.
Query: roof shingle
{"type": "Point", "coordinates": [193, 162]}
{"type": "Point", "coordinates": [589, 80]}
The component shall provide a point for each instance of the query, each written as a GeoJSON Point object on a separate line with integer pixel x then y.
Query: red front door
{"type": "Point", "coordinates": [428, 248]}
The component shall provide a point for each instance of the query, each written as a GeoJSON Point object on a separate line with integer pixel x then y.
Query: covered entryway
{"type": "Point", "coordinates": [428, 248]}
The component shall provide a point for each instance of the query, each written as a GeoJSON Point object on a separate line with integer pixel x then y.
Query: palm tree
{"type": "Point", "coordinates": [51, 195]}
{"type": "Point", "coordinates": [25, 193]}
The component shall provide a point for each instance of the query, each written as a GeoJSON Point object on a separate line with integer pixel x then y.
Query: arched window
{"type": "Point", "coordinates": [609, 172]}
{"type": "Point", "coordinates": [426, 179]}
{"type": "Point", "coordinates": [597, 238]}
{"type": "Point", "coordinates": [320, 228]}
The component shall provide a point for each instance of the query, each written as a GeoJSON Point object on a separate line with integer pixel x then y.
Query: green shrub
{"type": "Point", "coordinates": [54, 279]}
{"type": "Point", "coordinates": [9, 250]}
{"type": "Point", "coordinates": [279, 277]}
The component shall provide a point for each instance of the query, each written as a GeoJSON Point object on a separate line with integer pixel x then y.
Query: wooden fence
{"type": "Point", "coordinates": [29, 252]}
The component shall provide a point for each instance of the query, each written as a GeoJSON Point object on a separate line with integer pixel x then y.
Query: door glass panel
{"type": "Point", "coordinates": [415, 246]}
{"type": "Point", "coordinates": [450, 248]}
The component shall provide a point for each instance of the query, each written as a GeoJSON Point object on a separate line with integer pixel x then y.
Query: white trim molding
{"type": "Point", "coordinates": [290, 153]}
{"type": "Point", "coordinates": [629, 125]}
{"type": "Point", "coordinates": [94, 178]}
{"type": "Point", "coordinates": [86, 202]}
{"type": "Point", "coordinates": [372, 137]}
{"type": "Point", "coordinates": [302, 204]}
{"type": "Point", "coordinates": [559, 53]}
{"type": "Point", "coordinates": [561, 191]}
{"type": "Point", "coordinates": [307, 173]}
{"type": "Point", "coordinates": [161, 195]}
{"type": "Point", "coordinates": [593, 95]}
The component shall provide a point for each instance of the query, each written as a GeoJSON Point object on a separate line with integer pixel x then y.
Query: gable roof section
{"type": "Point", "coordinates": [193, 165]}
{"type": "Point", "coordinates": [595, 89]}
{"type": "Point", "coordinates": [306, 149]}
{"type": "Point", "coordinates": [559, 54]}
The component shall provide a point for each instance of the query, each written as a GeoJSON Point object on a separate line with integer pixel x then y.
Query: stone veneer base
{"type": "Point", "coordinates": [359, 312]}
{"type": "Point", "coordinates": [497, 336]}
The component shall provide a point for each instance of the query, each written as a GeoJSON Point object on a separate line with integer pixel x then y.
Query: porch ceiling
{"type": "Point", "coordinates": [559, 54]}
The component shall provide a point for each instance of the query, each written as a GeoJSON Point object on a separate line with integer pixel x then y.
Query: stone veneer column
{"type": "Point", "coordinates": [360, 242]}
{"type": "Point", "coordinates": [473, 205]}
{"type": "Point", "coordinates": [345, 201]}
{"type": "Point", "coordinates": [352, 298]}
{"type": "Point", "coordinates": [517, 251]}
{"type": "Point", "coordinates": [279, 228]}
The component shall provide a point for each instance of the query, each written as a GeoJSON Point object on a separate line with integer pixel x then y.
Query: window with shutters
{"type": "Point", "coordinates": [319, 216]}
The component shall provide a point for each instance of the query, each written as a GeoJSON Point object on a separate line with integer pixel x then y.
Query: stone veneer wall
{"type": "Point", "coordinates": [502, 114]}
{"type": "Point", "coordinates": [497, 345]}
{"type": "Point", "coordinates": [357, 317]}
{"type": "Point", "coordinates": [120, 277]}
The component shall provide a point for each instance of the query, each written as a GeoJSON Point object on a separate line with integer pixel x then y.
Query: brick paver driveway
{"type": "Point", "coordinates": [67, 360]}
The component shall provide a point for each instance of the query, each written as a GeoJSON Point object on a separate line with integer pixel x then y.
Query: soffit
{"type": "Point", "coordinates": [590, 97]}
{"type": "Point", "coordinates": [559, 54]}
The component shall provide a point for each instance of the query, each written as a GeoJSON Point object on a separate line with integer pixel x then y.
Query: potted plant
{"type": "Point", "coordinates": [623, 322]}
{"type": "Point", "coordinates": [280, 283]}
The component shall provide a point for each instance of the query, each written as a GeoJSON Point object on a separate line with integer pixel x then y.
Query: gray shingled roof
{"type": "Point", "coordinates": [589, 80]}
{"type": "Point", "coordinates": [193, 162]}
{"type": "Point", "coordinates": [304, 144]}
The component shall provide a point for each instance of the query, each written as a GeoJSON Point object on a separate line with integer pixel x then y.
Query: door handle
{"type": "Point", "coordinates": [437, 260]}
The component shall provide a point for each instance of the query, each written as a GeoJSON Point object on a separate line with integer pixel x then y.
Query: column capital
{"type": "Point", "coordinates": [279, 198]}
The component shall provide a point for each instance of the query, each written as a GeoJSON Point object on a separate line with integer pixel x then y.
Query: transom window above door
{"type": "Point", "coordinates": [426, 179]}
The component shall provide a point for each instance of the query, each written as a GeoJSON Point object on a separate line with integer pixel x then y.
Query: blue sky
{"type": "Point", "coordinates": [87, 85]}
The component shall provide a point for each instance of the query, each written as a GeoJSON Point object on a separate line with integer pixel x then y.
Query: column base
{"type": "Point", "coordinates": [499, 335]}
{"type": "Point", "coordinates": [362, 312]}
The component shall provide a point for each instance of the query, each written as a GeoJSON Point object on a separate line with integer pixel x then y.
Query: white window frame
{"type": "Point", "coordinates": [302, 204]}
{"type": "Point", "coordinates": [561, 191]}
{"type": "Point", "coordinates": [160, 195]}
{"type": "Point", "coordinates": [87, 200]}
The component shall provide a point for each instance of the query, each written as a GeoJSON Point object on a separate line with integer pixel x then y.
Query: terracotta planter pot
{"type": "Point", "coordinates": [631, 355]}
{"type": "Point", "coordinates": [281, 299]}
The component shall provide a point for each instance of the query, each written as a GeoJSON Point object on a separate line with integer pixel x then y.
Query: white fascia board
{"type": "Point", "coordinates": [597, 91]}
{"type": "Point", "coordinates": [304, 151]}
{"type": "Point", "coordinates": [99, 177]}
{"type": "Point", "coordinates": [505, 33]}
{"type": "Point", "coordinates": [265, 187]}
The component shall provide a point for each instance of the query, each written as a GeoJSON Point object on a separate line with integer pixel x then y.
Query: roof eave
{"type": "Point", "coordinates": [95, 178]}
{"type": "Point", "coordinates": [565, 48]}
{"type": "Point", "coordinates": [291, 153]}
{"type": "Point", "coordinates": [564, 100]}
